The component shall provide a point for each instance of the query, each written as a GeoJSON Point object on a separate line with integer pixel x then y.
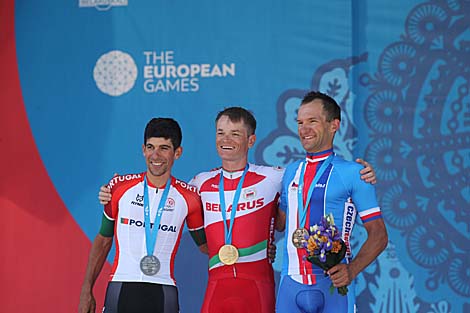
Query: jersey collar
{"type": "Point", "coordinates": [318, 156]}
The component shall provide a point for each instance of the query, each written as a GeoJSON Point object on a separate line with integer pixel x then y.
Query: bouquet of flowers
{"type": "Point", "coordinates": [325, 247]}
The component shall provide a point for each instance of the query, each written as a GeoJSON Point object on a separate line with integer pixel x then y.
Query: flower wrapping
{"type": "Point", "coordinates": [325, 248]}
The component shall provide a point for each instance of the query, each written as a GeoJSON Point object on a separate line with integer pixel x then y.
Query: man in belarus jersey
{"type": "Point", "coordinates": [146, 217]}
{"type": "Point", "coordinates": [240, 202]}
{"type": "Point", "coordinates": [319, 185]}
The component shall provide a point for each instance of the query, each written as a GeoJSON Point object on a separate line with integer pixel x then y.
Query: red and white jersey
{"type": "Point", "coordinates": [127, 212]}
{"type": "Point", "coordinates": [253, 228]}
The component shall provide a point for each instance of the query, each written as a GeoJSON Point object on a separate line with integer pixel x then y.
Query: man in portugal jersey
{"type": "Point", "coordinates": [319, 185]}
{"type": "Point", "coordinates": [146, 217]}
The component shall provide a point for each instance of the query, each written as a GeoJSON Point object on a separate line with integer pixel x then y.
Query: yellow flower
{"type": "Point", "coordinates": [336, 247]}
{"type": "Point", "coordinates": [311, 245]}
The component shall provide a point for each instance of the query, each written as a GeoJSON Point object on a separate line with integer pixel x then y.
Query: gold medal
{"type": "Point", "coordinates": [228, 254]}
{"type": "Point", "coordinates": [299, 237]}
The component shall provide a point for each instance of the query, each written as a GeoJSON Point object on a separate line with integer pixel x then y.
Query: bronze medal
{"type": "Point", "coordinates": [228, 254]}
{"type": "Point", "coordinates": [299, 237]}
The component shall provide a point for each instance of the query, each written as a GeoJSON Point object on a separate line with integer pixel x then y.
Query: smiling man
{"type": "Point", "coordinates": [321, 184]}
{"type": "Point", "coordinates": [240, 203]}
{"type": "Point", "coordinates": [145, 216]}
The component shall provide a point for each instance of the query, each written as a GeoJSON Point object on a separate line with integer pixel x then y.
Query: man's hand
{"type": "Point", "coordinates": [104, 195]}
{"type": "Point", "coordinates": [367, 173]}
{"type": "Point", "coordinates": [203, 248]}
{"type": "Point", "coordinates": [341, 275]}
{"type": "Point", "coordinates": [271, 252]}
{"type": "Point", "coordinates": [87, 302]}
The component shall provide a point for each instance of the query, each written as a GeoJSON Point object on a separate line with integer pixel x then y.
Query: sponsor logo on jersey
{"type": "Point", "coordinates": [349, 218]}
{"type": "Point", "coordinates": [169, 205]}
{"type": "Point", "coordinates": [136, 223]}
{"type": "Point", "coordinates": [139, 199]}
{"type": "Point", "coordinates": [249, 205]}
{"type": "Point", "coordinates": [249, 193]}
{"type": "Point", "coordinates": [294, 186]}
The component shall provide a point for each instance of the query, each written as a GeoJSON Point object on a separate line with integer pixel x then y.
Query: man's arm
{"type": "Point", "coordinates": [98, 253]}
{"type": "Point", "coordinates": [377, 239]}
{"type": "Point", "coordinates": [199, 237]}
{"type": "Point", "coordinates": [279, 226]}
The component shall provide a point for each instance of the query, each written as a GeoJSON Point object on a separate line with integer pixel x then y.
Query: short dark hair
{"type": "Point", "coordinates": [163, 127]}
{"type": "Point", "coordinates": [330, 106]}
{"type": "Point", "coordinates": [237, 114]}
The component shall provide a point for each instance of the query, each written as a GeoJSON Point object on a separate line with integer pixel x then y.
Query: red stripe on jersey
{"type": "Point", "coordinates": [173, 254]}
{"type": "Point", "coordinates": [371, 217]}
{"type": "Point", "coordinates": [116, 256]}
{"type": "Point", "coordinates": [310, 171]}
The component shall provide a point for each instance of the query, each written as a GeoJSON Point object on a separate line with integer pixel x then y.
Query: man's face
{"type": "Point", "coordinates": [232, 139]}
{"type": "Point", "coordinates": [315, 133]}
{"type": "Point", "coordinates": [160, 155]}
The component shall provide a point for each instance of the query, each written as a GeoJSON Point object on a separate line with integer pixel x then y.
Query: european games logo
{"type": "Point", "coordinates": [101, 5]}
{"type": "Point", "coordinates": [115, 73]}
{"type": "Point", "coordinates": [162, 73]}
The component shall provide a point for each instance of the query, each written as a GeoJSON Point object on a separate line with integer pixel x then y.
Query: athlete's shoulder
{"type": "Point", "coordinates": [189, 193]}
{"type": "Point", "coordinates": [346, 167]}
{"type": "Point", "coordinates": [267, 170]}
{"type": "Point", "coordinates": [273, 174]}
{"type": "Point", "coordinates": [183, 186]}
{"type": "Point", "coordinates": [125, 181]}
{"type": "Point", "coordinates": [200, 178]}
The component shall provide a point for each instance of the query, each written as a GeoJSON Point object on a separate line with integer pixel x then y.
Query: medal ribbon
{"type": "Point", "coordinates": [303, 209]}
{"type": "Point", "coordinates": [151, 234]}
{"type": "Point", "coordinates": [236, 197]}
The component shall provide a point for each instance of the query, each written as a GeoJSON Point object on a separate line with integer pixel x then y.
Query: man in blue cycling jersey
{"type": "Point", "coordinates": [321, 184]}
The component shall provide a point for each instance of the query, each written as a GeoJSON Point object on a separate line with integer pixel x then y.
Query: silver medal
{"type": "Point", "coordinates": [150, 265]}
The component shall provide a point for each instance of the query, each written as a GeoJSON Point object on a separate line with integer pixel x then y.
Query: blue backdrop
{"type": "Point", "coordinates": [93, 73]}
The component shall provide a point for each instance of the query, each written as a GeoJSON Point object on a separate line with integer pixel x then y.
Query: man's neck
{"type": "Point", "coordinates": [319, 153]}
{"type": "Point", "coordinates": [158, 181]}
{"type": "Point", "coordinates": [234, 166]}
